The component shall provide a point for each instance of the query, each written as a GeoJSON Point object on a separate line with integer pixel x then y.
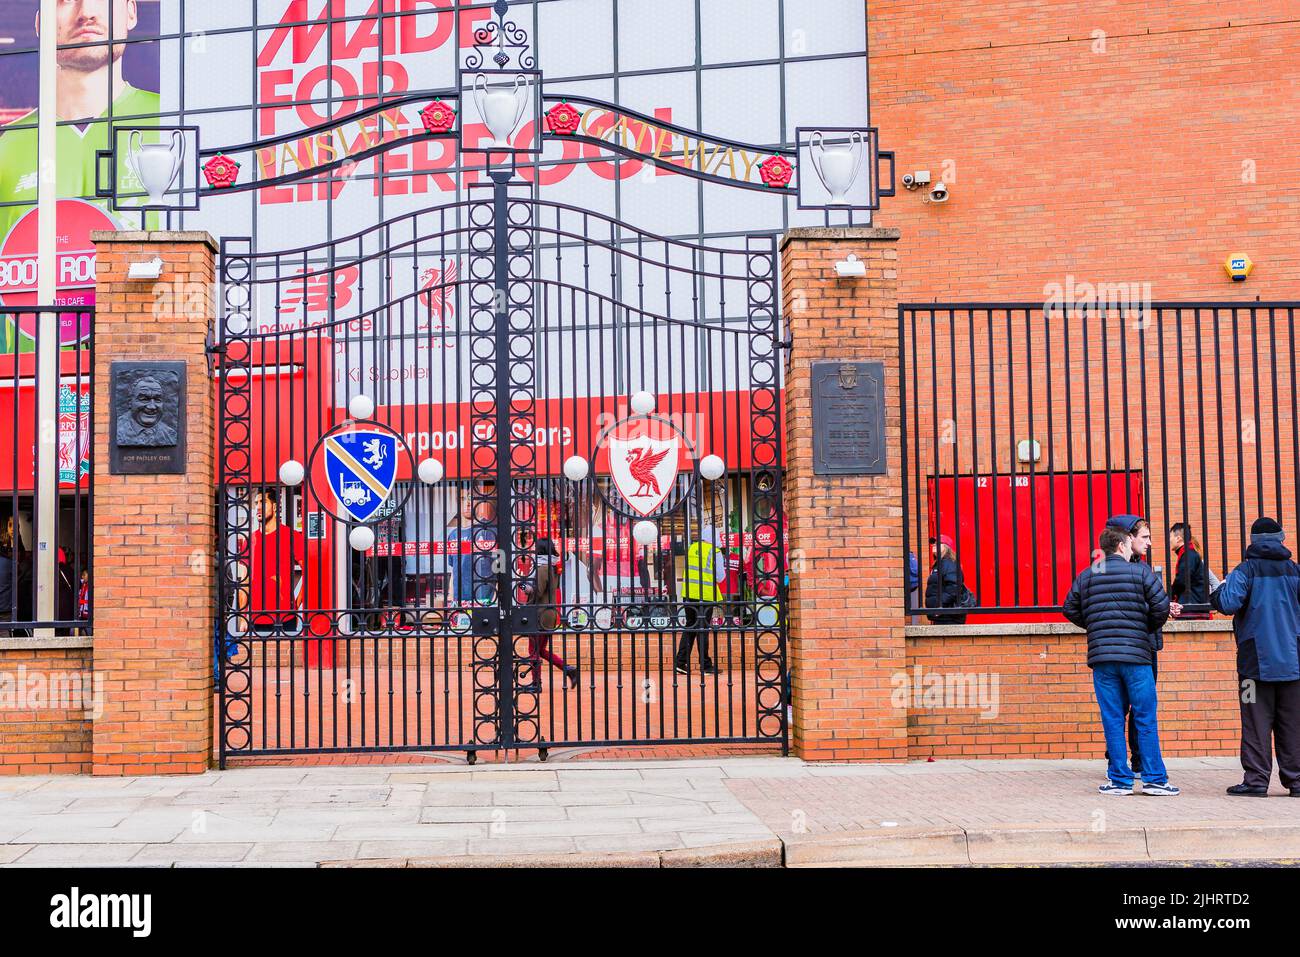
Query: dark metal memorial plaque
{"type": "Point", "coordinates": [146, 425]}
{"type": "Point", "coordinates": [848, 418]}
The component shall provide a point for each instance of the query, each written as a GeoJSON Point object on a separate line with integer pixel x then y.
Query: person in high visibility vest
{"type": "Point", "coordinates": [706, 569]}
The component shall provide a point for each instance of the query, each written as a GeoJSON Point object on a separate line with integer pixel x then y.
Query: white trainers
{"type": "Point", "coordinates": [1160, 790]}
{"type": "Point", "coordinates": [1110, 788]}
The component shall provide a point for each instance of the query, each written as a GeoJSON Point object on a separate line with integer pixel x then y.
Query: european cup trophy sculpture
{"type": "Point", "coordinates": [156, 165]}
{"type": "Point", "coordinates": [501, 107]}
{"type": "Point", "coordinates": [838, 166]}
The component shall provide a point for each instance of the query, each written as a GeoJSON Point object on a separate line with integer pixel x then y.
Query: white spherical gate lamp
{"type": "Point", "coordinates": [643, 403]}
{"type": "Point", "coordinates": [645, 532]}
{"type": "Point", "coordinates": [576, 468]}
{"type": "Point", "coordinates": [361, 407]}
{"type": "Point", "coordinates": [430, 471]}
{"type": "Point", "coordinates": [712, 467]}
{"type": "Point", "coordinates": [362, 538]}
{"type": "Point", "coordinates": [291, 472]}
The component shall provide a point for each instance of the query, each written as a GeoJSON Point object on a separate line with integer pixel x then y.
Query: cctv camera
{"type": "Point", "coordinates": [909, 181]}
{"type": "Point", "coordinates": [939, 194]}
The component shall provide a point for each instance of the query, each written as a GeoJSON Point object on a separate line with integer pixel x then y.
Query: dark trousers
{"type": "Point", "coordinates": [1271, 721]}
{"type": "Point", "coordinates": [699, 616]}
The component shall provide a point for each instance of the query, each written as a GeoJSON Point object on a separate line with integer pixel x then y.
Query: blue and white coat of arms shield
{"type": "Point", "coordinates": [361, 465]}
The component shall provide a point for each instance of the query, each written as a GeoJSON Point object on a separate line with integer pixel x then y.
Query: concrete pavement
{"type": "Point", "coordinates": [750, 811]}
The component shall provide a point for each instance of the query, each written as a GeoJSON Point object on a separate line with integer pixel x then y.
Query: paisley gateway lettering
{"type": "Point", "coordinates": [321, 149]}
{"type": "Point", "coordinates": [666, 146]}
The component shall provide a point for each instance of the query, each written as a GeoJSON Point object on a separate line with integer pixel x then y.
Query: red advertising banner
{"type": "Point", "coordinates": [714, 423]}
{"type": "Point", "coordinates": [18, 428]}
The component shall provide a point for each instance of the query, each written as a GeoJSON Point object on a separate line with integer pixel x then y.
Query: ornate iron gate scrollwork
{"type": "Point", "coordinates": [516, 337]}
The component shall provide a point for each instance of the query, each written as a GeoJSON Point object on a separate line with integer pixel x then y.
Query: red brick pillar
{"type": "Point", "coordinates": [846, 587]}
{"type": "Point", "coordinates": [153, 550]}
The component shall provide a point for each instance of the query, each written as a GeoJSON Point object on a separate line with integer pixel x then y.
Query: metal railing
{"type": "Point", "coordinates": [1025, 425]}
{"type": "Point", "coordinates": [21, 449]}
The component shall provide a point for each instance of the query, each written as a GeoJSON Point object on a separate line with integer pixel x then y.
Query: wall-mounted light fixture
{"type": "Point", "coordinates": [149, 269]}
{"type": "Point", "coordinates": [851, 268]}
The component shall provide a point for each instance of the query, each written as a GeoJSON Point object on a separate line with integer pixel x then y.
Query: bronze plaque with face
{"type": "Point", "coordinates": [147, 418]}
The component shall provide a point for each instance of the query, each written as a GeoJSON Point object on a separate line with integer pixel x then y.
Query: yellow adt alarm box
{"type": "Point", "coordinates": [1239, 267]}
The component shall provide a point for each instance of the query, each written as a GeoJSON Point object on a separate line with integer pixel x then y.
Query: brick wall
{"type": "Point", "coordinates": [846, 630]}
{"type": "Point", "coordinates": [153, 533]}
{"type": "Point", "coordinates": [1122, 165]}
{"type": "Point", "coordinates": [1044, 700]}
{"type": "Point", "coordinates": [45, 696]}
{"type": "Point", "coordinates": [1126, 142]}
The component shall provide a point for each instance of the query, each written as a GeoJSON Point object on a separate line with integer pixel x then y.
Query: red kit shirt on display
{"type": "Point", "coordinates": [275, 555]}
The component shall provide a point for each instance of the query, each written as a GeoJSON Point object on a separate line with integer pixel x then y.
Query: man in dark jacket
{"type": "Point", "coordinates": [1263, 596]}
{"type": "Point", "coordinates": [1121, 604]}
{"type": "Point", "coordinates": [1139, 531]}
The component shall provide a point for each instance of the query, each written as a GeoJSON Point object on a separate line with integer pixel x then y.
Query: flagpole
{"type": "Point", "coordinates": [47, 341]}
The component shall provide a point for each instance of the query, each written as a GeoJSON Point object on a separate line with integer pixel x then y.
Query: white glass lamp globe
{"type": "Point", "coordinates": [576, 468]}
{"type": "Point", "coordinates": [361, 407]}
{"type": "Point", "coordinates": [712, 467]}
{"type": "Point", "coordinates": [643, 403]}
{"type": "Point", "coordinates": [291, 472]}
{"type": "Point", "coordinates": [362, 538]}
{"type": "Point", "coordinates": [645, 533]}
{"type": "Point", "coordinates": [431, 471]}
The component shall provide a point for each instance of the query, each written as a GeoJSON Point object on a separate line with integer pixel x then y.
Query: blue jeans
{"type": "Point", "coordinates": [1121, 688]}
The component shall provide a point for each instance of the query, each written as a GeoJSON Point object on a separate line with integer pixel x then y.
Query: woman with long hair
{"type": "Point", "coordinates": [1191, 584]}
{"type": "Point", "coordinates": [946, 588]}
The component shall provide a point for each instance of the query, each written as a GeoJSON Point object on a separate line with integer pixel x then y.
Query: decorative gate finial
{"type": "Point", "coordinates": [510, 39]}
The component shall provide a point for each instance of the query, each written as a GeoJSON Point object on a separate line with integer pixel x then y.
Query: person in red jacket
{"type": "Point", "coordinates": [277, 553]}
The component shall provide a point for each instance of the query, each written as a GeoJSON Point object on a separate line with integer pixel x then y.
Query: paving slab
{"type": "Point", "coordinates": [640, 842]}
{"type": "Point", "coordinates": [80, 854]}
{"type": "Point", "coordinates": [414, 848]}
{"type": "Point", "coordinates": [411, 832]}
{"type": "Point", "coordinates": [491, 814]}
{"type": "Point", "coordinates": [9, 853]}
{"type": "Point", "coordinates": [191, 853]}
{"type": "Point", "coordinates": [297, 851]}
{"type": "Point", "coordinates": [516, 844]}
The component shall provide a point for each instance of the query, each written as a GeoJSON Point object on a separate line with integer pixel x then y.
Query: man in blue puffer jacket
{"type": "Point", "coordinates": [1121, 605]}
{"type": "Point", "coordinates": [1263, 596]}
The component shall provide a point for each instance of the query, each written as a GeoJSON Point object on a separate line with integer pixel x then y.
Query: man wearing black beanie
{"type": "Point", "coordinates": [1263, 596]}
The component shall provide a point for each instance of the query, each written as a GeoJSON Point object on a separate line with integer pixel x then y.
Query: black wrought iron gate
{"type": "Point", "coordinates": [528, 572]}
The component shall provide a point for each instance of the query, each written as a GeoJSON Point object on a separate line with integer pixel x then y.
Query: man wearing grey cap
{"type": "Point", "coordinates": [1263, 596]}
